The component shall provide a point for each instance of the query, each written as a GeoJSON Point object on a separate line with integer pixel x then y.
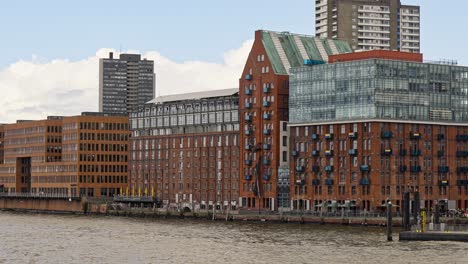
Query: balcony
{"type": "Point", "coordinates": [266, 177]}
{"type": "Point", "coordinates": [266, 90]}
{"type": "Point", "coordinates": [248, 118]}
{"type": "Point", "coordinates": [403, 168]}
{"type": "Point", "coordinates": [387, 135]}
{"type": "Point", "coordinates": [328, 152]}
{"type": "Point", "coordinates": [300, 168]}
{"type": "Point", "coordinates": [248, 177]}
{"type": "Point", "coordinates": [440, 137]}
{"type": "Point", "coordinates": [300, 182]}
{"type": "Point", "coordinates": [294, 153]}
{"type": "Point", "coordinates": [352, 135]}
{"type": "Point", "coordinates": [403, 152]}
{"type": "Point", "coordinates": [266, 146]}
{"type": "Point", "coordinates": [266, 104]}
{"type": "Point", "coordinates": [248, 77]}
{"type": "Point", "coordinates": [315, 136]}
{"type": "Point", "coordinates": [247, 147]}
{"type": "Point", "coordinates": [462, 137]}
{"type": "Point", "coordinates": [315, 168]}
{"type": "Point", "coordinates": [462, 169]}
{"type": "Point", "coordinates": [415, 135]}
{"type": "Point", "coordinates": [415, 152]}
{"type": "Point", "coordinates": [329, 182]}
{"type": "Point", "coordinates": [248, 105]}
{"type": "Point", "coordinates": [353, 152]}
{"type": "Point", "coordinates": [248, 132]}
{"type": "Point", "coordinates": [329, 136]}
{"type": "Point", "coordinates": [364, 168]}
{"type": "Point", "coordinates": [248, 162]}
{"type": "Point", "coordinates": [364, 182]}
{"type": "Point", "coordinates": [462, 182]}
{"type": "Point", "coordinates": [415, 169]}
{"type": "Point", "coordinates": [315, 153]}
{"type": "Point", "coordinates": [440, 153]}
{"type": "Point", "coordinates": [315, 182]}
{"type": "Point", "coordinates": [266, 162]}
{"type": "Point", "coordinates": [248, 91]}
{"type": "Point", "coordinates": [266, 116]}
{"type": "Point", "coordinates": [387, 152]}
{"type": "Point", "coordinates": [329, 168]}
{"type": "Point", "coordinates": [462, 154]}
{"type": "Point", "coordinates": [267, 132]}
{"type": "Point", "coordinates": [443, 169]}
{"type": "Point", "coordinates": [443, 183]}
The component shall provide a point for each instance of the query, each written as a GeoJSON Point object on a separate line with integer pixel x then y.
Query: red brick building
{"type": "Point", "coordinates": [264, 89]}
{"type": "Point", "coordinates": [185, 150]}
{"type": "Point", "coordinates": [373, 125]}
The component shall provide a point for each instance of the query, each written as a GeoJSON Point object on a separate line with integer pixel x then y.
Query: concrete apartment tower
{"type": "Point", "coordinates": [125, 83]}
{"type": "Point", "coordinates": [369, 24]}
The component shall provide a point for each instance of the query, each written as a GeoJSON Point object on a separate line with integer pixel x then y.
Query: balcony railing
{"type": "Point", "coordinates": [403, 152]}
{"type": "Point", "coordinates": [267, 132]}
{"type": "Point", "coordinates": [266, 90]}
{"type": "Point", "coordinates": [315, 182]}
{"type": "Point", "coordinates": [462, 137]}
{"type": "Point", "coordinates": [248, 105]}
{"type": "Point", "coordinates": [415, 169]}
{"type": "Point", "coordinates": [315, 168]}
{"type": "Point", "coordinates": [294, 153]}
{"type": "Point", "coordinates": [248, 162]}
{"type": "Point", "coordinates": [248, 77]}
{"type": "Point", "coordinates": [352, 135]}
{"type": "Point", "coordinates": [353, 152]}
{"type": "Point", "coordinates": [415, 152]}
{"type": "Point", "coordinates": [443, 169]}
{"type": "Point", "coordinates": [300, 168]}
{"type": "Point", "coordinates": [266, 146]}
{"type": "Point", "coordinates": [266, 177]}
{"type": "Point", "coordinates": [364, 182]}
{"type": "Point", "coordinates": [266, 116]}
{"type": "Point", "coordinates": [315, 153]}
{"type": "Point", "coordinates": [443, 183]}
{"type": "Point", "coordinates": [329, 168]}
{"type": "Point", "coordinates": [266, 103]}
{"type": "Point", "coordinates": [387, 135]}
{"type": "Point", "coordinates": [403, 168]}
{"type": "Point", "coordinates": [248, 91]}
{"type": "Point", "coordinates": [415, 135]}
{"type": "Point", "coordinates": [329, 152]}
{"type": "Point", "coordinates": [387, 152]}
{"type": "Point", "coordinates": [329, 182]}
{"type": "Point", "coordinates": [329, 136]}
{"type": "Point", "coordinates": [248, 177]}
{"type": "Point", "coordinates": [462, 169]}
{"type": "Point", "coordinates": [364, 168]}
{"type": "Point", "coordinates": [315, 136]}
{"type": "Point", "coordinates": [462, 154]}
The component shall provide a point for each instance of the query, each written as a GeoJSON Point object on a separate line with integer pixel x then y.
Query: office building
{"type": "Point", "coordinates": [185, 150]}
{"type": "Point", "coordinates": [370, 24]}
{"type": "Point", "coordinates": [264, 90]}
{"type": "Point", "coordinates": [369, 126]}
{"type": "Point", "coordinates": [83, 155]}
{"type": "Point", "coordinates": [125, 83]}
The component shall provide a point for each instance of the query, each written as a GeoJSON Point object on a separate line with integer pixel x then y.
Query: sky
{"type": "Point", "coordinates": [50, 48]}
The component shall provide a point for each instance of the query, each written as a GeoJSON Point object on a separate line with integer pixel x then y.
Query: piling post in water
{"type": "Point", "coordinates": [417, 207]}
{"type": "Point", "coordinates": [389, 221]}
{"type": "Point", "coordinates": [406, 211]}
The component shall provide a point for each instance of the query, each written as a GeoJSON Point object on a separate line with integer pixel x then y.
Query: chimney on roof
{"type": "Point", "coordinates": [111, 55]}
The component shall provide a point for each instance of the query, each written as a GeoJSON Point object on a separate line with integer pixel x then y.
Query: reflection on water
{"type": "Point", "coordinates": [29, 238]}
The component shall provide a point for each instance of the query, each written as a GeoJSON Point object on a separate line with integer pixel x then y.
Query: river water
{"type": "Point", "coordinates": [38, 238]}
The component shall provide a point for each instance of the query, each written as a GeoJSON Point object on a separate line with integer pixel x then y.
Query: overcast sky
{"type": "Point", "coordinates": [50, 48]}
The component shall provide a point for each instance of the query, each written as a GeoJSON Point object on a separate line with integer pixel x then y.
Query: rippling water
{"type": "Point", "coordinates": [30, 238]}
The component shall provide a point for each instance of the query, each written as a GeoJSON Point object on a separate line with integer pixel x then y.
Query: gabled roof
{"type": "Point", "coordinates": [194, 96]}
{"type": "Point", "coordinates": [286, 50]}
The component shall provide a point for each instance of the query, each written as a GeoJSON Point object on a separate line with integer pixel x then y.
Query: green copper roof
{"type": "Point", "coordinates": [286, 50]}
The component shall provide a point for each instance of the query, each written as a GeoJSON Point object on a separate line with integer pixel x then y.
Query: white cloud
{"type": "Point", "coordinates": [37, 88]}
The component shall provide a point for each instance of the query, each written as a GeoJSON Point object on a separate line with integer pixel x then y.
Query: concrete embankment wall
{"type": "Point", "coordinates": [52, 205]}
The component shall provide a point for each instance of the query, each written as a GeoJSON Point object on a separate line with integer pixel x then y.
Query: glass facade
{"type": "Point", "coordinates": [187, 116]}
{"type": "Point", "coordinates": [378, 89]}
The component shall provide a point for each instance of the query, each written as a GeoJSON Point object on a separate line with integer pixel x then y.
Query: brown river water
{"type": "Point", "coordinates": [39, 238]}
